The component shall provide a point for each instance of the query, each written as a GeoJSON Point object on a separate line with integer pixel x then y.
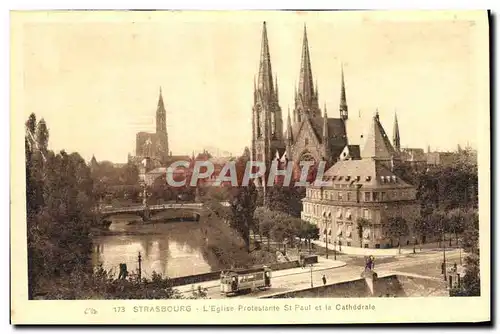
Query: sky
{"type": "Point", "coordinates": [95, 76]}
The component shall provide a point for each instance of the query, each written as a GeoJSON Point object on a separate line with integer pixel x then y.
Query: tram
{"type": "Point", "coordinates": [236, 281]}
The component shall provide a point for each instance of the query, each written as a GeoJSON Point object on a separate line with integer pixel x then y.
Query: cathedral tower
{"type": "Point", "coordinates": [306, 96]}
{"type": "Point", "coordinates": [161, 129]}
{"type": "Point", "coordinates": [267, 122]}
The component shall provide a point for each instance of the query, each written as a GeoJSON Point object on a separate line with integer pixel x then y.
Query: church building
{"type": "Point", "coordinates": [310, 134]}
{"type": "Point", "coordinates": [154, 146]}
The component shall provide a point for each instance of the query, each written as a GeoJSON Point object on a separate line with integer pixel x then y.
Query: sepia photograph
{"type": "Point", "coordinates": [196, 160]}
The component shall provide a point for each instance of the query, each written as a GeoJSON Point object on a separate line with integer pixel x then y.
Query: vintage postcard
{"type": "Point", "coordinates": [239, 167]}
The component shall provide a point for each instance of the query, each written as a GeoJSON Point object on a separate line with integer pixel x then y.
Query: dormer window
{"type": "Point", "coordinates": [347, 178]}
{"type": "Point", "coordinates": [394, 178]}
{"type": "Point", "coordinates": [340, 178]}
{"type": "Point", "coordinates": [368, 178]}
{"type": "Point", "coordinates": [358, 178]}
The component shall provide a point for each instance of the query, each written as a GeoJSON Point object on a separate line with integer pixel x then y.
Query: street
{"type": "Point", "coordinates": [423, 264]}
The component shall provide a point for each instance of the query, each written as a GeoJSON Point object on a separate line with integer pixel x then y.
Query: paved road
{"type": "Point", "coordinates": [302, 280]}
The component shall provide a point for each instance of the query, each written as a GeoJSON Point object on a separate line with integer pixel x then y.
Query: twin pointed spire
{"type": "Point", "coordinates": [306, 86]}
{"type": "Point", "coordinates": [265, 79]}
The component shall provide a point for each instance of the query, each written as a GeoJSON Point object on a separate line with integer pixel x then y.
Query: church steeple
{"type": "Point", "coordinates": [306, 86]}
{"type": "Point", "coordinates": [267, 122]}
{"type": "Point", "coordinates": [396, 140]}
{"type": "Point", "coordinates": [325, 125]}
{"type": "Point", "coordinates": [289, 127]}
{"type": "Point", "coordinates": [161, 121]}
{"type": "Point", "coordinates": [276, 92]}
{"type": "Point", "coordinates": [343, 100]}
{"type": "Point", "coordinates": [265, 79]}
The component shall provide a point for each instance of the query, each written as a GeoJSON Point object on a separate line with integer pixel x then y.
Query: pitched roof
{"type": "Point", "coordinates": [365, 172]}
{"type": "Point", "coordinates": [336, 127]}
{"type": "Point", "coordinates": [377, 144]}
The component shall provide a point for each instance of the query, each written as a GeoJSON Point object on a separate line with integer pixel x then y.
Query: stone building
{"type": "Point", "coordinates": [310, 135]}
{"type": "Point", "coordinates": [366, 188]}
{"type": "Point", "coordinates": [154, 145]}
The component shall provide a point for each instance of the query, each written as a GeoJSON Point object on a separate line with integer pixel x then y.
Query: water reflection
{"type": "Point", "coordinates": [172, 249]}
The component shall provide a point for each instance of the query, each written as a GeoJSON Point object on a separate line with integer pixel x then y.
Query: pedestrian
{"type": "Point", "coordinates": [324, 279]}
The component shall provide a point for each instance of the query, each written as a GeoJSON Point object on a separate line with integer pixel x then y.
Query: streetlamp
{"type": "Point", "coordinates": [326, 234]}
{"type": "Point", "coordinates": [460, 249]}
{"type": "Point", "coordinates": [311, 266]}
{"type": "Point", "coordinates": [335, 250]}
{"type": "Point", "coordinates": [444, 255]}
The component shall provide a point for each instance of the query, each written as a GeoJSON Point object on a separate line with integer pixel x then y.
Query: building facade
{"type": "Point", "coordinates": [154, 145]}
{"type": "Point", "coordinates": [365, 188]}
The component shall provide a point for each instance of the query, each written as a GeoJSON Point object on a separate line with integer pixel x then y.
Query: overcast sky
{"type": "Point", "coordinates": [95, 78]}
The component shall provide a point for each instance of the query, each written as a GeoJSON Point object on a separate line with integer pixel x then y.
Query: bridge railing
{"type": "Point", "coordinates": [151, 207]}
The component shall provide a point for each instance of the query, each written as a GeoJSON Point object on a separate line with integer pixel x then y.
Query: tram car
{"type": "Point", "coordinates": [234, 282]}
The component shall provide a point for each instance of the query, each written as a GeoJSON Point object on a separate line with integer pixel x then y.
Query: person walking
{"type": "Point", "coordinates": [324, 279]}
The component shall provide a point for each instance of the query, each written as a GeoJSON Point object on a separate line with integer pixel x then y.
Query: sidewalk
{"type": "Point", "coordinates": [371, 251]}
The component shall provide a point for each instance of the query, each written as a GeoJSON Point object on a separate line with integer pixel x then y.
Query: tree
{"type": "Point", "coordinates": [309, 232]}
{"type": "Point", "coordinates": [361, 223]}
{"type": "Point", "coordinates": [396, 227]}
{"type": "Point", "coordinates": [456, 218]}
{"type": "Point", "coordinates": [243, 207]}
{"type": "Point", "coordinates": [264, 219]}
{"type": "Point", "coordinates": [60, 198]}
{"type": "Point", "coordinates": [42, 136]}
{"type": "Point", "coordinates": [471, 282]}
{"type": "Point", "coordinates": [439, 222]}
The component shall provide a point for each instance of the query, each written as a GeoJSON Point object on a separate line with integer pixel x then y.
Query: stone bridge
{"type": "Point", "coordinates": [146, 212]}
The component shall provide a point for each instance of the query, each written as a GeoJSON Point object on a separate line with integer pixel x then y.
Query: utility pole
{"type": "Point", "coordinates": [140, 268]}
{"type": "Point", "coordinates": [335, 250]}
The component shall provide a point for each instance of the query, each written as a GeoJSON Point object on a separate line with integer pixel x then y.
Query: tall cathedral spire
{"type": "Point", "coordinates": [265, 79]}
{"type": "Point", "coordinates": [396, 140]}
{"type": "Point", "coordinates": [161, 121]}
{"type": "Point", "coordinates": [343, 100]}
{"type": "Point", "coordinates": [306, 86]}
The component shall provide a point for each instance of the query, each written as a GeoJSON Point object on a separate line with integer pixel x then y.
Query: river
{"type": "Point", "coordinates": [173, 249]}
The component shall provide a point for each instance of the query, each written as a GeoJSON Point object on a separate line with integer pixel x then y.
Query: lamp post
{"type": "Point", "coordinates": [326, 234]}
{"type": "Point", "coordinates": [444, 255]}
{"type": "Point", "coordinates": [460, 249]}
{"type": "Point", "coordinates": [311, 266]}
{"type": "Point", "coordinates": [335, 250]}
